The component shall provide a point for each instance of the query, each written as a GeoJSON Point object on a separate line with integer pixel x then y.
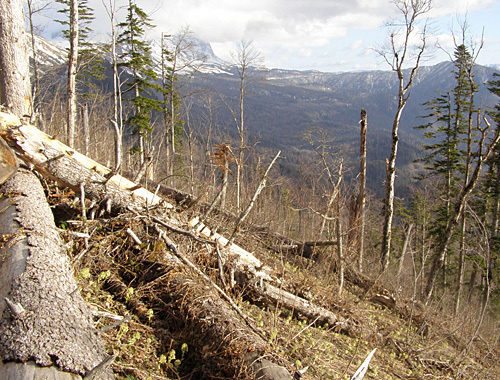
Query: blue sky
{"type": "Point", "coordinates": [324, 35]}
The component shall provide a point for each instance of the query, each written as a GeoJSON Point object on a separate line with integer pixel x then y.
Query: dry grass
{"type": "Point", "coordinates": [158, 343]}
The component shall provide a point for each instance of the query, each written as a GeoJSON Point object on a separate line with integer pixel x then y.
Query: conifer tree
{"type": "Point", "coordinates": [136, 58]}
{"type": "Point", "coordinates": [449, 156]}
{"type": "Point", "coordinates": [493, 191]}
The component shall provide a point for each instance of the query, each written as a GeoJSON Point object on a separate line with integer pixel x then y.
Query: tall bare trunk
{"type": "Point", "coordinates": [225, 178]}
{"type": "Point", "coordinates": [15, 88]}
{"type": "Point", "coordinates": [396, 56]}
{"type": "Point", "coordinates": [117, 121]}
{"type": "Point", "coordinates": [389, 185]}
{"type": "Point", "coordinates": [86, 128]}
{"type": "Point", "coordinates": [72, 66]}
{"type": "Point", "coordinates": [362, 186]}
{"type": "Point", "coordinates": [241, 148]}
{"type": "Point", "coordinates": [338, 231]}
{"type": "Point", "coordinates": [36, 77]}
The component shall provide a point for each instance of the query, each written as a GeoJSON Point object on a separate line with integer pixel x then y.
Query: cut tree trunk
{"type": "Point", "coordinates": [44, 320]}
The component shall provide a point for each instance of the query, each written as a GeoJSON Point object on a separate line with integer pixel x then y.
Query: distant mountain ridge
{"type": "Point", "coordinates": [285, 103]}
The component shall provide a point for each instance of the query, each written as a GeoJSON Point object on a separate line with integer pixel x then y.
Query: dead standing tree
{"type": "Point", "coordinates": [246, 57]}
{"type": "Point", "coordinates": [397, 56]}
{"type": "Point", "coordinates": [357, 214]}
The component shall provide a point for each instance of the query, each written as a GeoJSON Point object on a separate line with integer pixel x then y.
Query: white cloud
{"type": "Point", "coordinates": [282, 29]}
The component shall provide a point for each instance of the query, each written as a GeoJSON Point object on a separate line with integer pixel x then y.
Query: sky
{"type": "Point", "coordinates": [323, 35]}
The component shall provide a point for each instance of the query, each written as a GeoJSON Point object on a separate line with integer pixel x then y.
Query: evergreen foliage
{"type": "Point", "coordinates": [449, 132]}
{"type": "Point", "coordinates": [136, 57]}
{"type": "Point", "coordinates": [90, 57]}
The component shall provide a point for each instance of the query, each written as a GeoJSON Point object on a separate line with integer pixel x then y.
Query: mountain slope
{"type": "Point", "coordinates": [283, 104]}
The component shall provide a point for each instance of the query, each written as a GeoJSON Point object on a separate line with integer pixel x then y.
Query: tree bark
{"type": "Point", "coordinates": [72, 66]}
{"type": "Point", "coordinates": [15, 88]}
{"type": "Point", "coordinates": [362, 186]}
{"type": "Point", "coordinates": [50, 325]}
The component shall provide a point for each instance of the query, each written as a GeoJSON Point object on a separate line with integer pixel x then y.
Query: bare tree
{"type": "Point", "coordinates": [246, 57]}
{"type": "Point", "coordinates": [33, 8]}
{"type": "Point", "coordinates": [15, 88]}
{"type": "Point", "coordinates": [117, 120]}
{"type": "Point", "coordinates": [72, 67]}
{"type": "Point", "coordinates": [318, 139]}
{"type": "Point", "coordinates": [397, 56]}
{"type": "Point", "coordinates": [179, 55]}
{"type": "Point", "coordinates": [362, 185]}
{"type": "Point", "coordinates": [245, 213]}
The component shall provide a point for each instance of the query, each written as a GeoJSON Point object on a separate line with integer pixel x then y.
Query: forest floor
{"type": "Point", "coordinates": [120, 276]}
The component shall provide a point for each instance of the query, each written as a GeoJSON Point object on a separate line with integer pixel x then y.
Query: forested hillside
{"type": "Point", "coordinates": [283, 104]}
{"type": "Point", "coordinates": [221, 220]}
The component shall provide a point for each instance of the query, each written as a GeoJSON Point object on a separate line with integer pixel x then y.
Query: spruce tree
{"type": "Point", "coordinates": [493, 191]}
{"type": "Point", "coordinates": [451, 160]}
{"type": "Point", "coordinates": [449, 131]}
{"type": "Point", "coordinates": [136, 57]}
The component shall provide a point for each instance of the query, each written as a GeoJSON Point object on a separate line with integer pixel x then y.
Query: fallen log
{"type": "Point", "coordinates": [71, 169]}
{"type": "Point", "coordinates": [228, 341]}
{"type": "Point", "coordinates": [57, 161]}
{"type": "Point", "coordinates": [249, 272]}
{"type": "Point", "coordinates": [44, 320]}
{"type": "Point", "coordinates": [305, 249]}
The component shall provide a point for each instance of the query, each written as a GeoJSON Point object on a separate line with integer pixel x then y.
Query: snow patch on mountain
{"type": "Point", "coordinates": [48, 54]}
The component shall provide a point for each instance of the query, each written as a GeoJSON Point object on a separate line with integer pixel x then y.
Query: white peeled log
{"type": "Point", "coordinates": [69, 168]}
